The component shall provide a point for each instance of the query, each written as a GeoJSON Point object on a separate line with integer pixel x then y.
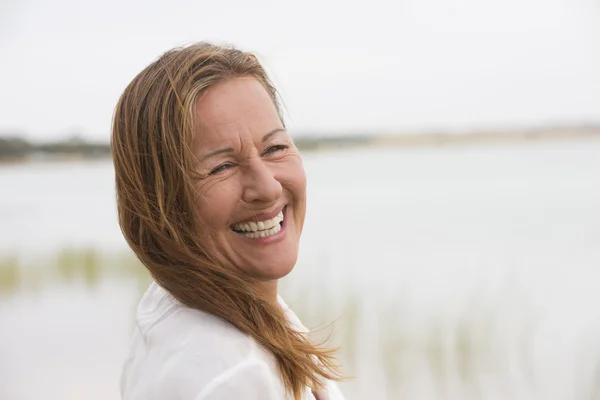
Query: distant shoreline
{"type": "Point", "coordinates": [18, 151]}
{"type": "Point", "coordinates": [445, 139]}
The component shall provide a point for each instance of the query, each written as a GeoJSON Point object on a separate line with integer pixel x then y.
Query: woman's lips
{"type": "Point", "coordinates": [261, 229]}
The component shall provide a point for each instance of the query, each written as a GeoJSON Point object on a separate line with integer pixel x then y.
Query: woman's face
{"type": "Point", "coordinates": [252, 199]}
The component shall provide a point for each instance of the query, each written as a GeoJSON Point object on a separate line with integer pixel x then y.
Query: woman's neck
{"type": "Point", "coordinates": [268, 291]}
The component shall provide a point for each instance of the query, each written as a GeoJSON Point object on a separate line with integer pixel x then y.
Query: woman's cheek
{"type": "Point", "coordinates": [217, 204]}
{"type": "Point", "coordinates": [291, 170]}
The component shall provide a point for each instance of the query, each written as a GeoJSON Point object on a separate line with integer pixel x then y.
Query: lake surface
{"type": "Point", "coordinates": [468, 272]}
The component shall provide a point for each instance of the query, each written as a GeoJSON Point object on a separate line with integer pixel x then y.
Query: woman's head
{"type": "Point", "coordinates": [211, 193]}
{"type": "Point", "coordinates": [251, 201]}
{"type": "Point", "coordinates": [200, 147]}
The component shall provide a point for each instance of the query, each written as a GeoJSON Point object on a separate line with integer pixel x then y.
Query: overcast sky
{"type": "Point", "coordinates": [341, 66]}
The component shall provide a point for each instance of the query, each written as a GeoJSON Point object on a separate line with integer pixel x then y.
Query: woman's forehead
{"type": "Point", "coordinates": [234, 111]}
{"type": "Point", "coordinates": [238, 101]}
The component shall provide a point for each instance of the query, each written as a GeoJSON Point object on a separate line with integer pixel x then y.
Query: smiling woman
{"type": "Point", "coordinates": [253, 186]}
{"type": "Point", "coordinates": [211, 198]}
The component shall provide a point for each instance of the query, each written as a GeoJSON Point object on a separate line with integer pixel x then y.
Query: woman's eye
{"type": "Point", "coordinates": [221, 168]}
{"type": "Point", "coordinates": [275, 148]}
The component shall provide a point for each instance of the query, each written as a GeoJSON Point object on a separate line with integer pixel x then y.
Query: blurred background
{"type": "Point", "coordinates": [453, 155]}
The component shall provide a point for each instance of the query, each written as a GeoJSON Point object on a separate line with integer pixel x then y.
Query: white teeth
{"type": "Point", "coordinates": [265, 233]}
{"type": "Point", "coordinates": [260, 229]}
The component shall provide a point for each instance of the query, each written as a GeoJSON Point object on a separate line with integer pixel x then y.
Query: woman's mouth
{"type": "Point", "coordinates": [259, 229]}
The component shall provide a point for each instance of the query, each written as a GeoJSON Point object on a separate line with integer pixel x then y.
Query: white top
{"type": "Point", "coordinates": [180, 353]}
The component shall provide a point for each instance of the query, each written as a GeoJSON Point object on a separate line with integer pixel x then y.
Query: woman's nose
{"type": "Point", "coordinates": [260, 183]}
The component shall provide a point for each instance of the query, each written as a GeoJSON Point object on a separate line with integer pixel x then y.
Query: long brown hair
{"type": "Point", "coordinates": [151, 144]}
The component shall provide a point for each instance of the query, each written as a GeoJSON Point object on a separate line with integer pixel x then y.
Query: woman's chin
{"type": "Point", "coordinates": [267, 272]}
{"type": "Point", "coordinates": [270, 262]}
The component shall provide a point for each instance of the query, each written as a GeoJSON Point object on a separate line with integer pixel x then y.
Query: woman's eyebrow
{"type": "Point", "coordinates": [230, 149]}
{"type": "Point", "coordinates": [217, 152]}
{"type": "Point", "coordinates": [274, 131]}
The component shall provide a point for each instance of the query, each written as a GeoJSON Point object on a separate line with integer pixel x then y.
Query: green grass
{"type": "Point", "coordinates": [454, 350]}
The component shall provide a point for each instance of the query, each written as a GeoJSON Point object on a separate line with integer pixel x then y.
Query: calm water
{"type": "Point", "coordinates": [451, 273]}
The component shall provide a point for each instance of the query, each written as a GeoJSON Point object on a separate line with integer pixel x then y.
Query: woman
{"type": "Point", "coordinates": [211, 198]}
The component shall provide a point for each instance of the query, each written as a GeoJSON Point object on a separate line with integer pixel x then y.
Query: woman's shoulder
{"type": "Point", "coordinates": [186, 350]}
{"type": "Point", "coordinates": [162, 317]}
